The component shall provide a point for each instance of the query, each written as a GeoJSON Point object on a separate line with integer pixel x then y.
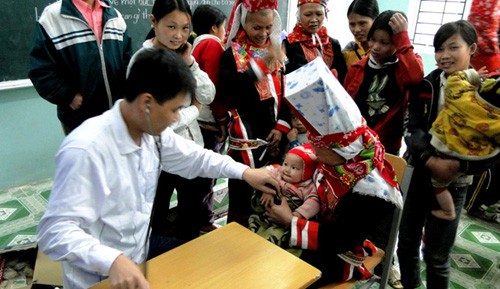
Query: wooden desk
{"type": "Point", "coordinates": [229, 257]}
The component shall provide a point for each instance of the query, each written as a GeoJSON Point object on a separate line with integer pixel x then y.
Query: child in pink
{"type": "Point", "coordinates": [296, 184]}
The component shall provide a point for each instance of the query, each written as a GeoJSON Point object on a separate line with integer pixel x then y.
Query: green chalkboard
{"type": "Point", "coordinates": [18, 19]}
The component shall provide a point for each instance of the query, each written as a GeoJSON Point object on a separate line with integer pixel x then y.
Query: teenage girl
{"type": "Point", "coordinates": [171, 21]}
{"type": "Point", "coordinates": [209, 28]}
{"type": "Point", "coordinates": [454, 44]}
{"type": "Point", "coordinates": [379, 83]}
{"type": "Point", "coordinates": [251, 84]}
{"type": "Point", "coordinates": [360, 15]}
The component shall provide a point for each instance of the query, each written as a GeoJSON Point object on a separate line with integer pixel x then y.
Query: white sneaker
{"type": "Point", "coordinates": [394, 278]}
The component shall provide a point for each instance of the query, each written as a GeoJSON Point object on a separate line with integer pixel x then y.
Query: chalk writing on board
{"type": "Point", "coordinates": [135, 17]}
{"type": "Point", "coordinates": [133, 2]}
{"type": "Point", "coordinates": [17, 36]}
{"type": "Point", "coordinates": [193, 3]}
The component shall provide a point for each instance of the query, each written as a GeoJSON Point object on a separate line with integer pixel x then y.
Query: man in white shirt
{"type": "Point", "coordinates": [97, 218]}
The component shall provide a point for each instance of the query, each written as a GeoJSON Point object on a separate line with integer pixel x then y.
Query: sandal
{"type": "Point", "coordinates": [396, 284]}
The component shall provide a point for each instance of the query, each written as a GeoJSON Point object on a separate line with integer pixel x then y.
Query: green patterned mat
{"type": "Point", "coordinates": [475, 258]}
{"type": "Point", "coordinates": [20, 211]}
{"type": "Point", "coordinates": [22, 207]}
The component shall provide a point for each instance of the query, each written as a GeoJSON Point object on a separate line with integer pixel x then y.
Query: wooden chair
{"type": "Point", "coordinates": [47, 272]}
{"type": "Point", "coordinates": [370, 264]}
{"type": "Point", "coordinates": [403, 173]}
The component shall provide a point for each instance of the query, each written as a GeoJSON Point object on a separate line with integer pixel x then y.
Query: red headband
{"type": "Point", "coordinates": [308, 155]}
{"type": "Point", "coordinates": [252, 6]}
{"type": "Point", "coordinates": [321, 2]}
{"type": "Point", "coordinates": [257, 5]}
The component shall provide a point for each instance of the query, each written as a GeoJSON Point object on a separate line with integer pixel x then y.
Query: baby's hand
{"type": "Point", "coordinates": [292, 134]}
{"type": "Point", "coordinates": [483, 72]}
{"type": "Point", "coordinates": [267, 200]}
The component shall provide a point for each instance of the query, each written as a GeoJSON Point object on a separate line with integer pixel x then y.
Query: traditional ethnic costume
{"type": "Point", "coordinates": [253, 94]}
{"type": "Point", "coordinates": [355, 196]}
{"type": "Point", "coordinates": [485, 15]}
{"type": "Point", "coordinates": [302, 47]}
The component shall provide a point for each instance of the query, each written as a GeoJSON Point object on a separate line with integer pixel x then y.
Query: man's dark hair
{"type": "Point", "coordinates": [160, 72]}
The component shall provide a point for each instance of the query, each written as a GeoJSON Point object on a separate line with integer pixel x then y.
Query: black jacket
{"type": "Point", "coordinates": [66, 59]}
{"type": "Point", "coordinates": [423, 110]}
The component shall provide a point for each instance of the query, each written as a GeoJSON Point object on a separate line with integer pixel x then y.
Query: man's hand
{"type": "Point", "coordinates": [262, 180]}
{"type": "Point", "coordinates": [125, 274]}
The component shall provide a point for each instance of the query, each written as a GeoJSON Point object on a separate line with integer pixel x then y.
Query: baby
{"type": "Point", "coordinates": [296, 184]}
{"type": "Point", "coordinates": [467, 128]}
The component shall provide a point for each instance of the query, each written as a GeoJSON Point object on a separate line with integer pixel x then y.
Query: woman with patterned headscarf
{"type": "Point", "coordinates": [309, 39]}
{"type": "Point", "coordinates": [251, 84]}
{"type": "Point", "coordinates": [356, 186]}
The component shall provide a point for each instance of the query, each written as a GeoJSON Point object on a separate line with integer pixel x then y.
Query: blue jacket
{"type": "Point", "coordinates": [67, 59]}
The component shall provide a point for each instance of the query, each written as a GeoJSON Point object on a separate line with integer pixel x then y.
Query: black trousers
{"type": "Point", "coordinates": [190, 208]}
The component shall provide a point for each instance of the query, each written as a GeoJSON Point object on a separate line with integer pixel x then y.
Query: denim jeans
{"type": "Point", "coordinates": [161, 244]}
{"type": "Point", "coordinates": [438, 238]}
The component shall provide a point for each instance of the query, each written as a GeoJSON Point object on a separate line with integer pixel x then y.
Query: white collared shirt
{"type": "Point", "coordinates": [103, 192]}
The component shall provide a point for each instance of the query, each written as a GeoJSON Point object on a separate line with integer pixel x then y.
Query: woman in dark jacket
{"type": "Point", "coordinates": [454, 44]}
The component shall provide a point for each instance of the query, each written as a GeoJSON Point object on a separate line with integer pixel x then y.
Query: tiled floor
{"type": "Point", "coordinates": [476, 255]}
{"type": "Point", "coordinates": [20, 210]}
{"type": "Point", "coordinates": [475, 258]}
